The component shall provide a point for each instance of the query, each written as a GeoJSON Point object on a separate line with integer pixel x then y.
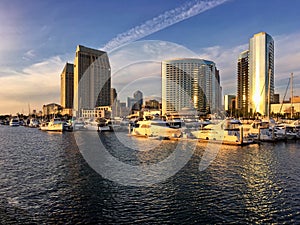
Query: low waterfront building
{"type": "Point", "coordinates": [98, 112]}
{"type": "Point", "coordinates": [66, 111]}
{"type": "Point", "coordinates": [51, 109]}
{"type": "Point", "coordinates": [152, 104]}
{"type": "Point", "coordinates": [286, 109]}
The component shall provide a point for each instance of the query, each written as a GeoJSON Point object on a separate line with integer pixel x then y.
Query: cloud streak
{"type": "Point", "coordinates": [168, 18]}
{"type": "Point", "coordinates": [37, 84]}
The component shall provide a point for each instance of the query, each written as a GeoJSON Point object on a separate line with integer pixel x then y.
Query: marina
{"type": "Point", "coordinates": [228, 131]}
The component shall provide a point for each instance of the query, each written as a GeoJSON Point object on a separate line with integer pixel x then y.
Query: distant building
{"type": "Point", "coordinates": [296, 99]}
{"type": "Point", "coordinates": [113, 96]}
{"type": "Point", "coordinates": [130, 102]}
{"type": "Point", "coordinates": [276, 99]}
{"type": "Point", "coordinates": [138, 97]}
{"type": "Point", "coordinates": [242, 97]}
{"type": "Point", "coordinates": [190, 83]}
{"type": "Point", "coordinates": [66, 111]}
{"type": "Point", "coordinates": [51, 109]}
{"type": "Point", "coordinates": [92, 79]}
{"type": "Point", "coordinates": [97, 112]}
{"type": "Point", "coordinates": [261, 73]}
{"type": "Point", "coordinates": [152, 104]}
{"type": "Point", "coordinates": [123, 111]}
{"type": "Point", "coordinates": [67, 86]}
{"type": "Point", "coordinates": [229, 102]}
{"type": "Point", "coordinates": [135, 103]}
{"type": "Point", "coordinates": [113, 102]}
{"type": "Point", "coordinates": [286, 108]}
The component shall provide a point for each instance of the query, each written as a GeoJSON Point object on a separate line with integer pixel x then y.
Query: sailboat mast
{"type": "Point", "coordinates": [292, 94]}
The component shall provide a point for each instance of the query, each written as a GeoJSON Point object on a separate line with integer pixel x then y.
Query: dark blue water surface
{"type": "Point", "coordinates": [45, 180]}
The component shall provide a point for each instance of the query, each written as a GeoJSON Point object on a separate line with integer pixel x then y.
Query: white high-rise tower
{"type": "Point", "coordinates": [261, 73]}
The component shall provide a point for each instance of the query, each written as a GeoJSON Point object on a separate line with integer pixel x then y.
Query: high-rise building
{"type": "Point", "coordinates": [113, 102]}
{"type": "Point", "coordinates": [138, 96]}
{"type": "Point", "coordinates": [135, 103]}
{"type": "Point", "coordinates": [261, 73]}
{"type": "Point", "coordinates": [276, 99]}
{"type": "Point", "coordinates": [242, 97]}
{"type": "Point", "coordinates": [67, 86]}
{"type": "Point", "coordinates": [113, 96]}
{"type": "Point", "coordinates": [92, 79]}
{"type": "Point", "coordinates": [190, 83]}
{"type": "Point", "coordinates": [130, 102]}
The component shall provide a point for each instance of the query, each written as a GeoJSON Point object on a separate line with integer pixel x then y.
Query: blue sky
{"type": "Point", "coordinates": [38, 37]}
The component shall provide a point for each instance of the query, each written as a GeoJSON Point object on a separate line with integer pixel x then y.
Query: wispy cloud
{"type": "Point", "coordinates": [29, 54]}
{"type": "Point", "coordinates": [168, 18]}
{"type": "Point", "coordinates": [37, 84]}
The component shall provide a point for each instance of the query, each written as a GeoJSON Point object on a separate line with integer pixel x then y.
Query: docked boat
{"type": "Point", "coordinates": [228, 131]}
{"type": "Point", "coordinates": [101, 125]}
{"type": "Point", "coordinates": [296, 128]}
{"type": "Point", "coordinates": [55, 124]}
{"type": "Point", "coordinates": [67, 126]}
{"type": "Point", "coordinates": [34, 123]}
{"type": "Point", "coordinates": [14, 122]}
{"type": "Point", "coordinates": [262, 130]}
{"type": "Point", "coordinates": [288, 131]}
{"type": "Point", "coordinates": [155, 128]}
{"type": "Point", "coordinates": [78, 125]}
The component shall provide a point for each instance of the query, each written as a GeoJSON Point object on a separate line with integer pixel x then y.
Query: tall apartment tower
{"type": "Point", "coordinates": [92, 79]}
{"type": "Point", "coordinates": [113, 96]}
{"type": "Point", "coordinates": [242, 97]}
{"type": "Point", "coordinates": [67, 86]}
{"type": "Point", "coordinates": [138, 96]}
{"type": "Point", "coordinates": [261, 73]}
{"type": "Point", "coordinates": [190, 83]}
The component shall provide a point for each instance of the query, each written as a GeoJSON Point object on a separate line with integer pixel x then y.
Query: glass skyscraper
{"type": "Point", "coordinates": [190, 83]}
{"type": "Point", "coordinates": [261, 73]}
{"type": "Point", "coordinates": [242, 97]}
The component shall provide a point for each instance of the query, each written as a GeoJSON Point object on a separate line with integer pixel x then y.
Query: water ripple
{"type": "Point", "coordinates": [45, 180]}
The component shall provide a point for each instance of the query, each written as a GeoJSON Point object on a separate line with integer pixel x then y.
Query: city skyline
{"type": "Point", "coordinates": [37, 39]}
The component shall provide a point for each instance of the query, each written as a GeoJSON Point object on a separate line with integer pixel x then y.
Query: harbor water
{"type": "Point", "coordinates": [44, 179]}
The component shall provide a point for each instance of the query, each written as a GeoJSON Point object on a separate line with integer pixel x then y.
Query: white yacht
{"type": "Point", "coordinates": [14, 122]}
{"type": "Point", "coordinates": [78, 124]}
{"type": "Point", "coordinates": [228, 131]}
{"type": "Point", "coordinates": [100, 124]}
{"type": "Point", "coordinates": [286, 131]}
{"type": "Point", "coordinates": [155, 128]}
{"type": "Point", "coordinates": [34, 122]}
{"type": "Point", "coordinates": [55, 124]}
{"type": "Point", "coordinates": [263, 130]}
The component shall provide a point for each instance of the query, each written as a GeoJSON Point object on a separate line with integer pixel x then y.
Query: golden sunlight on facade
{"type": "Point", "coordinates": [261, 73]}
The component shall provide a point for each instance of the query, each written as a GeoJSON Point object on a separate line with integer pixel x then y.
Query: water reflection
{"type": "Point", "coordinates": [45, 180]}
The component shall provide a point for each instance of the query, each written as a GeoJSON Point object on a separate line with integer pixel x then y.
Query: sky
{"type": "Point", "coordinates": [38, 37]}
